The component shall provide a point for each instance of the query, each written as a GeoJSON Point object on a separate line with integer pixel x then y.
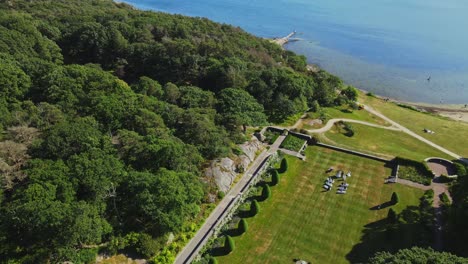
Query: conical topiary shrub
{"type": "Point", "coordinates": [395, 199]}
{"type": "Point", "coordinates": [229, 244]}
{"type": "Point", "coordinates": [266, 192]}
{"type": "Point", "coordinates": [243, 226]}
{"type": "Point", "coordinates": [254, 207]}
{"type": "Point", "coordinates": [275, 178]}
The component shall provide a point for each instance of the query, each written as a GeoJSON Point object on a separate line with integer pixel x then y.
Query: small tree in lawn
{"type": "Point", "coordinates": [229, 244]}
{"type": "Point", "coordinates": [254, 207]}
{"type": "Point", "coordinates": [284, 165]}
{"type": "Point", "coordinates": [392, 216]}
{"type": "Point", "coordinates": [395, 199]}
{"type": "Point", "coordinates": [275, 177]}
{"type": "Point", "coordinates": [243, 226]}
{"type": "Point", "coordinates": [266, 192]}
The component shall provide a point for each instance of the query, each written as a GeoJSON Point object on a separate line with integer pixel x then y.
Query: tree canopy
{"type": "Point", "coordinates": [108, 115]}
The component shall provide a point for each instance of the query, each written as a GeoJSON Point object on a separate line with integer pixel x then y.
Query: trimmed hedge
{"type": "Point", "coordinates": [460, 169]}
{"type": "Point", "coordinates": [284, 165]}
{"type": "Point", "coordinates": [275, 178]}
{"type": "Point", "coordinates": [213, 260]}
{"type": "Point", "coordinates": [254, 207]}
{"type": "Point", "coordinates": [229, 244]}
{"type": "Point", "coordinates": [394, 199]}
{"type": "Point", "coordinates": [266, 192]}
{"type": "Point", "coordinates": [243, 226]}
{"type": "Point", "coordinates": [445, 179]}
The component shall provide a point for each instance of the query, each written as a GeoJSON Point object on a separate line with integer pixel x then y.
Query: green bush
{"type": "Point", "coordinates": [460, 169]}
{"type": "Point", "coordinates": [315, 106]}
{"type": "Point", "coordinates": [284, 165]}
{"type": "Point", "coordinates": [445, 179]}
{"type": "Point", "coordinates": [147, 246]}
{"type": "Point", "coordinates": [275, 178]}
{"type": "Point", "coordinates": [213, 260]}
{"type": "Point", "coordinates": [271, 136]}
{"type": "Point", "coordinates": [445, 199]}
{"type": "Point", "coordinates": [266, 192]}
{"type": "Point", "coordinates": [76, 256]}
{"type": "Point", "coordinates": [348, 128]}
{"type": "Point", "coordinates": [243, 226]}
{"type": "Point", "coordinates": [254, 207]}
{"type": "Point", "coordinates": [221, 195]}
{"type": "Point", "coordinates": [229, 244]}
{"type": "Point", "coordinates": [394, 199]}
{"type": "Point", "coordinates": [427, 198]}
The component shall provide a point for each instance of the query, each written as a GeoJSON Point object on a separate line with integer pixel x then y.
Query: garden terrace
{"type": "Point", "coordinates": [302, 221]}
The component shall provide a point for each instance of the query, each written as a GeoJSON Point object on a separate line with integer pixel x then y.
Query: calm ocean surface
{"type": "Point", "coordinates": [389, 47]}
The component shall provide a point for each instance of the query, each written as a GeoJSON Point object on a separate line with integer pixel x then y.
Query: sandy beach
{"type": "Point", "coordinates": [454, 111]}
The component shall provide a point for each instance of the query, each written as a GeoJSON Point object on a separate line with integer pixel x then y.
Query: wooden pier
{"type": "Point", "coordinates": [284, 40]}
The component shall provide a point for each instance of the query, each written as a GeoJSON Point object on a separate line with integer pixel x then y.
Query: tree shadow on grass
{"type": "Point", "coordinates": [233, 232]}
{"type": "Point", "coordinates": [219, 251]}
{"type": "Point", "coordinates": [383, 236]}
{"type": "Point", "coordinates": [245, 214]}
{"type": "Point", "coordinates": [381, 206]}
{"type": "Point", "coordinates": [219, 247]}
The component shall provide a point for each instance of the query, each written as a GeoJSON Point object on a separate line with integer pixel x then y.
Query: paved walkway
{"type": "Point", "coordinates": [438, 188]}
{"type": "Point", "coordinates": [413, 184]}
{"type": "Point", "coordinates": [293, 153]}
{"type": "Point", "coordinates": [190, 251]}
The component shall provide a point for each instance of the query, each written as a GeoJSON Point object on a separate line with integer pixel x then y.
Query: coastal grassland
{"type": "Point", "coordinates": [449, 134]}
{"type": "Point", "coordinates": [302, 221]}
{"type": "Point", "coordinates": [381, 142]}
{"type": "Point", "coordinates": [343, 111]}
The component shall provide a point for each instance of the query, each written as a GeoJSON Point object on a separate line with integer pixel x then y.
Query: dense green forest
{"type": "Point", "coordinates": [108, 115]}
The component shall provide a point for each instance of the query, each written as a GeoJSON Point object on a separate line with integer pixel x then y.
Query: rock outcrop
{"type": "Point", "coordinates": [225, 170]}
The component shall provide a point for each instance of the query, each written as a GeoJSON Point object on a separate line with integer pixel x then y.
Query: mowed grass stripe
{"type": "Point", "coordinates": [302, 221]}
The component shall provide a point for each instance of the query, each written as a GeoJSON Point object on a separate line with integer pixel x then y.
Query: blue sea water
{"type": "Point", "coordinates": [389, 47]}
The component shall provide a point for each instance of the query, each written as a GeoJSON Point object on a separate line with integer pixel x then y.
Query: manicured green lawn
{"type": "Point", "coordinates": [346, 112]}
{"type": "Point", "coordinates": [386, 143]}
{"type": "Point", "coordinates": [300, 220]}
{"type": "Point", "coordinates": [448, 133]}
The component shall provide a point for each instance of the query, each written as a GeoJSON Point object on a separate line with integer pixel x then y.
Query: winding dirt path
{"type": "Point", "coordinates": [331, 122]}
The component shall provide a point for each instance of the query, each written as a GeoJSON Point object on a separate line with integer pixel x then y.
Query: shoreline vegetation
{"type": "Point", "coordinates": [457, 112]}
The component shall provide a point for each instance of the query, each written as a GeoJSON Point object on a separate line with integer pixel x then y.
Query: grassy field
{"type": "Point", "coordinates": [343, 112]}
{"type": "Point", "coordinates": [300, 220]}
{"type": "Point", "coordinates": [449, 134]}
{"type": "Point", "coordinates": [386, 143]}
